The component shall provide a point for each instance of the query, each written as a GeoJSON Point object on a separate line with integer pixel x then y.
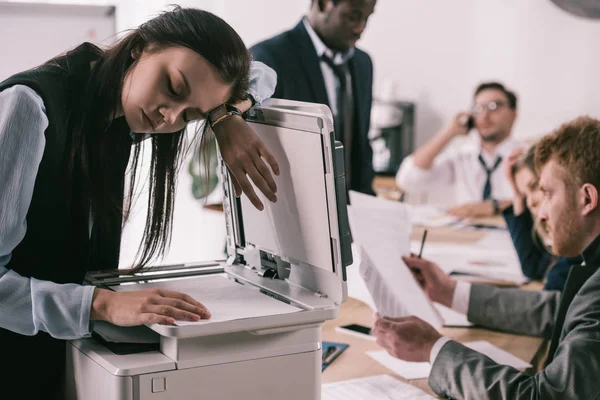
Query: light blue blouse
{"type": "Point", "coordinates": [29, 305]}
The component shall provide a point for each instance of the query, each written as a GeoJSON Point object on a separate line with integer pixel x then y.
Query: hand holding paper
{"type": "Point", "coordinates": [406, 338]}
{"type": "Point", "coordinates": [382, 230]}
{"type": "Point", "coordinates": [438, 286]}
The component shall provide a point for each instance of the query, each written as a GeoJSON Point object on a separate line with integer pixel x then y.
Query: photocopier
{"type": "Point", "coordinates": [284, 276]}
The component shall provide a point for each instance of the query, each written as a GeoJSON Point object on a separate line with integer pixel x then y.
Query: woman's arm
{"type": "Point", "coordinates": [29, 305]}
{"type": "Point", "coordinates": [534, 260]}
{"type": "Point", "coordinates": [242, 150]}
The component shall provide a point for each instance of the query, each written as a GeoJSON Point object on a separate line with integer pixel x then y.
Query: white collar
{"type": "Point", "coordinates": [503, 149]}
{"type": "Point", "coordinates": [321, 48]}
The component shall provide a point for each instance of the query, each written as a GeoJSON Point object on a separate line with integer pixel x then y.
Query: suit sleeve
{"type": "Point", "coordinates": [461, 373]}
{"type": "Point", "coordinates": [514, 310]}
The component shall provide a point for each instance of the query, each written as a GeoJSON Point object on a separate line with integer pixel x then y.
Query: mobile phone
{"type": "Point", "coordinates": [470, 123]}
{"type": "Point", "coordinates": [356, 330]}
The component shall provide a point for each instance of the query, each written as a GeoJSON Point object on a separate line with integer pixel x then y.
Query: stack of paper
{"type": "Point", "coordinates": [420, 370]}
{"type": "Point", "coordinates": [431, 216]}
{"type": "Point", "coordinates": [499, 263]}
{"type": "Point", "coordinates": [380, 387]}
{"type": "Point", "coordinates": [381, 229]}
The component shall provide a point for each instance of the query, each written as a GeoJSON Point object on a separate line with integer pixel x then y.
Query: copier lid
{"type": "Point", "coordinates": [307, 227]}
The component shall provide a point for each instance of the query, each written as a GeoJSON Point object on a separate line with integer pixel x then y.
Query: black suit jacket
{"type": "Point", "coordinates": [293, 56]}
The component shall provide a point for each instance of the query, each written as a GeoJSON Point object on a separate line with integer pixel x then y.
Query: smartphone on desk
{"type": "Point", "coordinates": [356, 330]}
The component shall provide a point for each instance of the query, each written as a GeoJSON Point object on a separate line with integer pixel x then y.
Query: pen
{"type": "Point", "coordinates": [330, 350]}
{"type": "Point", "coordinates": [423, 243]}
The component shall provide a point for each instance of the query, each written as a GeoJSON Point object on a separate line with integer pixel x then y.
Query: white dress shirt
{"type": "Point", "coordinates": [463, 171]}
{"type": "Point", "coordinates": [331, 82]}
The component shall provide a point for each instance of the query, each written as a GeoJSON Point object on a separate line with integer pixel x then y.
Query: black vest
{"type": "Point", "coordinates": [56, 246]}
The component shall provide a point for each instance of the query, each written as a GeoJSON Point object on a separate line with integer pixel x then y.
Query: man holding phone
{"type": "Point", "coordinates": [475, 170]}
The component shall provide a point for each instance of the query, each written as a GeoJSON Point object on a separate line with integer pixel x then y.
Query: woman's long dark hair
{"type": "Point", "coordinates": [93, 148]}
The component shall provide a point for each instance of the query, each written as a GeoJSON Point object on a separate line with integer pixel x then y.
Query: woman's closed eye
{"type": "Point", "coordinates": [171, 88]}
{"type": "Point", "coordinates": [174, 93]}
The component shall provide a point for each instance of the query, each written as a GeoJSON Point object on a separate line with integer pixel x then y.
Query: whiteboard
{"type": "Point", "coordinates": [31, 34]}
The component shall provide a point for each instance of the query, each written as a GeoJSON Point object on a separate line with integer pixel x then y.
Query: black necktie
{"type": "Point", "coordinates": [343, 118]}
{"type": "Point", "coordinates": [487, 189]}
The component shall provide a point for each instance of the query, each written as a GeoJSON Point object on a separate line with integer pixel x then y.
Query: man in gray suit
{"type": "Point", "coordinates": [569, 166]}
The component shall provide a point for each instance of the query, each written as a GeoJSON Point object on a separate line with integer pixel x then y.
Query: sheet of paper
{"type": "Point", "coordinates": [357, 288]}
{"type": "Point", "coordinates": [384, 241]}
{"type": "Point", "coordinates": [225, 299]}
{"type": "Point", "coordinates": [384, 300]}
{"type": "Point", "coordinates": [392, 209]}
{"type": "Point", "coordinates": [421, 370]}
{"type": "Point", "coordinates": [500, 263]}
{"type": "Point", "coordinates": [497, 354]}
{"type": "Point", "coordinates": [407, 370]}
{"type": "Point", "coordinates": [451, 317]}
{"type": "Point", "coordinates": [380, 387]}
{"type": "Point", "coordinates": [431, 216]}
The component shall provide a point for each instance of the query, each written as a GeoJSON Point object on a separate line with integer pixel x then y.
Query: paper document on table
{"type": "Point", "coordinates": [420, 370]}
{"type": "Point", "coordinates": [384, 241]}
{"type": "Point", "coordinates": [498, 355]}
{"type": "Point", "coordinates": [380, 387]}
{"type": "Point", "coordinates": [431, 216]}
{"type": "Point", "coordinates": [407, 370]}
{"type": "Point", "coordinates": [451, 317]}
{"type": "Point", "coordinates": [225, 299]}
{"type": "Point", "coordinates": [499, 264]}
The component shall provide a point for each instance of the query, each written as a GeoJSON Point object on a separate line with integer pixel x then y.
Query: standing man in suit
{"type": "Point", "coordinates": [317, 62]}
{"type": "Point", "coordinates": [569, 167]}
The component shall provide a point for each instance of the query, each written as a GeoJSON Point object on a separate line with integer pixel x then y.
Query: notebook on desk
{"type": "Point", "coordinates": [330, 352]}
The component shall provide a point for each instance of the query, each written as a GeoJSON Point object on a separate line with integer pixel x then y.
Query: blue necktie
{"type": "Point", "coordinates": [487, 188]}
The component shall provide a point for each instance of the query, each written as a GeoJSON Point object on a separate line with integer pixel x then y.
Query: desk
{"type": "Point", "coordinates": [354, 363]}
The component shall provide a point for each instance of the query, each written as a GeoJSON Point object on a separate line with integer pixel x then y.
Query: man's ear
{"type": "Point", "coordinates": [590, 198]}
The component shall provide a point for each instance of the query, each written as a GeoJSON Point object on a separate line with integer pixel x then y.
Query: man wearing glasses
{"type": "Point", "coordinates": [476, 169]}
{"type": "Point", "coordinates": [317, 62]}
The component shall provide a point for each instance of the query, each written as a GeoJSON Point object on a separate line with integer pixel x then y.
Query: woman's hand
{"type": "Point", "coordinates": [145, 306]}
{"type": "Point", "coordinates": [518, 198]}
{"type": "Point", "coordinates": [245, 155]}
{"type": "Point", "coordinates": [512, 159]}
